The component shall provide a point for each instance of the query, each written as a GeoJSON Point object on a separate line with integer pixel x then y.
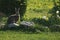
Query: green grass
{"type": "Point", "coordinates": [35, 9]}
{"type": "Point", "coordinates": [38, 9]}
{"type": "Point", "coordinates": [17, 35]}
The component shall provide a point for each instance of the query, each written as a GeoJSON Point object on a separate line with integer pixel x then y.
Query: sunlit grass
{"type": "Point", "coordinates": [38, 9]}
{"type": "Point", "coordinates": [17, 35]}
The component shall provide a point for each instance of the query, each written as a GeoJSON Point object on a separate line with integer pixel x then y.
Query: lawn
{"type": "Point", "coordinates": [35, 9]}
{"type": "Point", "coordinates": [17, 35]}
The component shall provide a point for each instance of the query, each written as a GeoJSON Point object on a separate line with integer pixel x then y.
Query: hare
{"type": "Point", "coordinates": [14, 17]}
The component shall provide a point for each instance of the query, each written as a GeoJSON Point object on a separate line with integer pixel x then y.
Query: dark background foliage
{"type": "Point", "coordinates": [8, 6]}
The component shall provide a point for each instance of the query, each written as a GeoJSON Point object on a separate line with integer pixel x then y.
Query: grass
{"type": "Point", "coordinates": [17, 35]}
{"type": "Point", "coordinates": [38, 9]}
{"type": "Point", "coordinates": [35, 9]}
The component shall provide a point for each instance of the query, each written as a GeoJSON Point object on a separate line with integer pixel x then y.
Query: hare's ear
{"type": "Point", "coordinates": [18, 8]}
{"type": "Point", "coordinates": [15, 9]}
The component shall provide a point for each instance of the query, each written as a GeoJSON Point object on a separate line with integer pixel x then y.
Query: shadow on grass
{"type": "Point", "coordinates": [53, 24]}
{"type": "Point", "coordinates": [41, 21]}
{"type": "Point", "coordinates": [24, 29]}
